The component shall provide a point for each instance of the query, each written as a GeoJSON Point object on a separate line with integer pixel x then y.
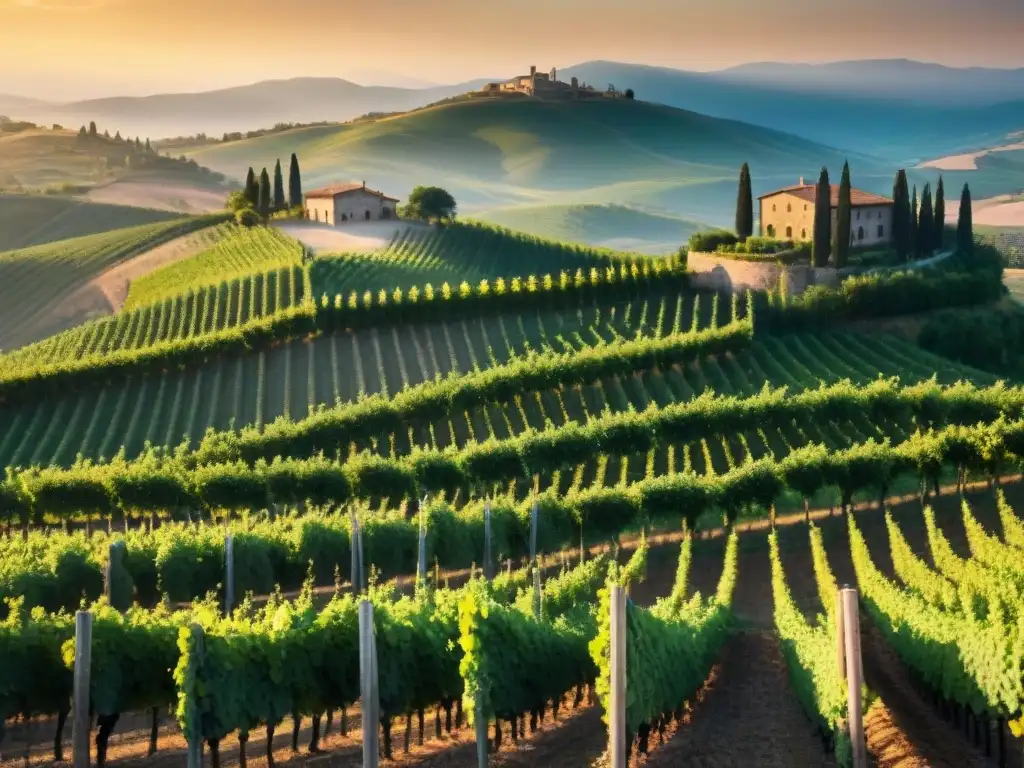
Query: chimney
{"type": "Point", "coordinates": [802, 181]}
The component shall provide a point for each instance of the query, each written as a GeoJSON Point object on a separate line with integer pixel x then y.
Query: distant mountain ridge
{"type": "Point", "coordinates": [894, 126]}
{"type": "Point", "coordinates": [241, 108]}
{"type": "Point", "coordinates": [899, 109]}
{"type": "Point", "coordinates": [903, 79]}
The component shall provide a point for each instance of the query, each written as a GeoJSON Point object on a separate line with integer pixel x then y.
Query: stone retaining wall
{"type": "Point", "coordinates": [716, 272]}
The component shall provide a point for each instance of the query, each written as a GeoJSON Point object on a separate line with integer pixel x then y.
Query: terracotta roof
{"type": "Point", "coordinates": [808, 192]}
{"type": "Point", "coordinates": [343, 189]}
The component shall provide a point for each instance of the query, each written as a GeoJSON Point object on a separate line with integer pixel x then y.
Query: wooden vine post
{"type": "Point", "coordinates": [421, 552]}
{"type": "Point", "coordinates": [195, 744]}
{"type": "Point", "coordinates": [854, 675]}
{"type": "Point", "coordinates": [840, 635]}
{"type": "Point", "coordinates": [80, 724]}
{"type": "Point", "coordinates": [368, 686]}
{"type": "Point", "coordinates": [488, 567]}
{"type": "Point", "coordinates": [229, 574]}
{"type": "Point", "coordinates": [534, 523]}
{"type": "Point", "coordinates": [356, 547]}
{"type": "Point", "coordinates": [480, 726]}
{"type": "Point", "coordinates": [617, 700]}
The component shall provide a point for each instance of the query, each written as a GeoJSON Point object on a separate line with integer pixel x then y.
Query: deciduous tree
{"type": "Point", "coordinates": [844, 212]}
{"type": "Point", "coordinates": [744, 205]}
{"type": "Point", "coordinates": [822, 246]}
{"type": "Point", "coordinates": [430, 204]}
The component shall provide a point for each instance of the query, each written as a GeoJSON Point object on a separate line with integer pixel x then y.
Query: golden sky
{"type": "Point", "coordinates": [64, 49]}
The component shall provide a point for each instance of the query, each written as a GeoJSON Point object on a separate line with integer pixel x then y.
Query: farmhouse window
{"type": "Point", "coordinates": [881, 230]}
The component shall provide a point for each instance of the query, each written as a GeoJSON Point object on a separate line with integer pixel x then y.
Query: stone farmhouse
{"type": "Point", "coordinates": [788, 214]}
{"type": "Point", "coordinates": [339, 203]}
{"type": "Point", "coordinates": [546, 85]}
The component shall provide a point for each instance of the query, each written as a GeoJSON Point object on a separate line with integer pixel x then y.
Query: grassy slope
{"type": "Point", "coordinates": [492, 153]}
{"type": "Point", "coordinates": [27, 220]}
{"type": "Point", "coordinates": [611, 225]}
{"type": "Point", "coordinates": [41, 283]}
{"type": "Point", "coordinates": [41, 160]}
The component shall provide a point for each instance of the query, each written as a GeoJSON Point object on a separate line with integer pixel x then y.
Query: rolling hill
{"type": "Point", "coordinates": [498, 153]}
{"type": "Point", "coordinates": [27, 220]}
{"type": "Point", "coordinates": [106, 170]}
{"type": "Point", "coordinates": [295, 100]}
{"type": "Point", "coordinates": [899, 109]}
{"type": "Point", "coordinates": [888, 123]}
{"type": "Point", "coordinates": [609, 226]}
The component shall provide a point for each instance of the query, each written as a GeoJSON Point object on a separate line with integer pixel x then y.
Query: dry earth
{"type": "Point", "coordinates": [352, 237]}
{"type": "Point", "coordinates": [161, 194]}
{"type": "Point", "coordinates": [969, 160]}
{"type": "Point", "coordinates": [105, 293]}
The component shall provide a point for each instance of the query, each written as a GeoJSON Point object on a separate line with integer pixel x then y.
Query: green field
{"type": "Point", "coordinates": [237, 255]}
{"type": "Point", "coordinates": [493, 154]}
{"type": "Point", "coordinates": [35, 281]}
{"type": "Point", "coordinates": [294, 379]}
{"type": "Point", "coordinates": [27, 220]}
{"type": "Point", "coordinates": [455, 253]}
{"type": "Point", "coordinates": [614, 226]}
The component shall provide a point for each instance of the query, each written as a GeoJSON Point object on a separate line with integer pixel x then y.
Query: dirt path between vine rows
{"type": "Point", "coordinates": [747, 714]}
{"type": "Point", "coordinates": [902, 730]}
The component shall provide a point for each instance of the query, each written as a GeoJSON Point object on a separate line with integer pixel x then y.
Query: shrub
{"type": "Point", "coordinates": [247, 217]}
{"type": "Point", "coordinates": [711, 240]}
{"type": "Point", "coordinates": [990, 339]}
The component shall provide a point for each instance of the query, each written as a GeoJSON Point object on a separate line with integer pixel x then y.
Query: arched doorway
{"type": "Point", "coordinates": [367, 215]}
{"type": "Point", "coordinates": [386, 213]}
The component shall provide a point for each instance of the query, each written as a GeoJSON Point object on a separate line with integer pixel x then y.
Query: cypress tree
{"type": "Point", "coordinates": [92, 129]}
{"type": "Point", "coordinates": [149, 147]}
{"type": "Point", "coordinates": [294, 184]}
{"type": "Point", "coordinates": [844, 211]}
{"type": "Point", "coordinates": [965, 224]}
{"type": "Point", "coordinates": [901, 215]}
{"type": "Point", "coordinates": [822, 220]}
{"type": "Point", "coordinates": [744, 205]}
{"type": "Point", "coordinates": [251, 188]}
{"type": "Point", "coordinates": [940, 216]}
{"type": "Point", "coordinates": [912, 225]}
{"type": "Point", "coordinates": [279, 201]}
{"type": "Point", "coordinates": [264, 195]}
{"type": "Point", "coordinates": [926, 223]}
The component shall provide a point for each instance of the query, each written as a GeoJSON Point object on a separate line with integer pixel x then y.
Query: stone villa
{"type": "Point", "coordinates": [546, 85]}
{"type": "Point", "coordinates": [788, 214]}
{"type": "Point", "coordinates": [339, 203]}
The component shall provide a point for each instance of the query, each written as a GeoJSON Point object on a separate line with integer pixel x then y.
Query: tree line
{"type": "Point", "coordinates": [918, 227]}
{"type": "Point", "coordinates": [260, 197]}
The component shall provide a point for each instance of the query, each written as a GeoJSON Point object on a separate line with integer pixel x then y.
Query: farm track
{"type": "Point", "coordinates": [747, 713]}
